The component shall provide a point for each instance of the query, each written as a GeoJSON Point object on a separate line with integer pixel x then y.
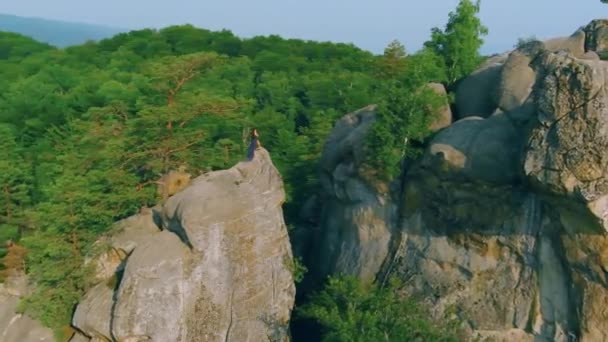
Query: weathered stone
{"type": "Point", "coordinates": [108, 263]}
{"type": "Point", "coordinates": [346, 138]}
{"type": "Point", "coordinates": [591, 55]}
{"type": "Point", "coordinates": [516, 81]}
{"type": "Point", "coordinates": [575, 44]}
{"type": "Point", "coordinates": [465, 230]}
{"type": "Point", "coordinates": [219, 272]}
{"type": "Point", "coordinates": [93, 315]}
{"type": "Point", "coordinates": [78, 337]}
{"type": "Point", "coordinates": [154, 277]}
{"type": "Point", "coordinates": [125, 235]}
{"type": "Point", "coordinates": [476, 94]}
{"type": "Point", "coordinates": [566, 153]}
{"type": "Point", "coordinates": [597, 36]}
{"type": "Point", "coordinates": [510, 335]}
{"type": "Point", "coordinates": [587, 256]}
{"type": "Point", "coordinates": [479, 149]}
{"type": "Point", "coordinates": [16, 327]}
{"type": "Point", "coordinates": [128, 232]}
{"type": "Point", "coordinates": [355, 222]}
{"type": "Point", "coordinates": [444, 114]}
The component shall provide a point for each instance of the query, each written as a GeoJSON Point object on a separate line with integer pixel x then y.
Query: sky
{"type": "Point", "coordinates": [370, 24]}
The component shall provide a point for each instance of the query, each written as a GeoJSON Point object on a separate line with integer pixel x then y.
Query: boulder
{"type": "Point", "coordinates": [575, 44]}
{"type": "Point", "coordinates": [476, 94]}
{"type": "Point", "coordinates": [566, 151]}
{"type": "Point", "coordinates": [154, 277]}
{"type": "Point", "coordinates": [355, 220]}
{"type": "Point", "coordinates": [444, 114]}
{"type": "Point", "coordinates": [127, 233]}
{"type": "Point", "coordinates": [93, 315]}
{"type": "Point", "coordinates": [597, 36]}
{"type": "Point", "coordinates": [479, 149]}
{"type": "Point", "coordinates": [124, 237]}
{"type": "Point", "coordinates": [516, 81]}
{"type": "Point", "coordinates": [591, 55]}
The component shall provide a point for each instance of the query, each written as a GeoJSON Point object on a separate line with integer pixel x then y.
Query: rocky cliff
{"type": "Point", "coordinates": [504, 218]}
{"type": "Point", "coordinates": [211, 264]}
{"type": "Point", "coordinates": [15, 327]}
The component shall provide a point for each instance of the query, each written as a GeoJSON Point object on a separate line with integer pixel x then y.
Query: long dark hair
{"type": "Point", "coordinates": [254, 133]}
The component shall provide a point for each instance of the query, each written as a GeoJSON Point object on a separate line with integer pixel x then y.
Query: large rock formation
{"type": "Point", "coordinates": [16, 327]}
{"type": "Point", "coordinates": [504, 219]}
{"type": "Point", "coordinates": [217, 268]}
{"type": "Point", "coordinates": [504, 82]}
{"type": "Point", "coordinates": [350, 200]}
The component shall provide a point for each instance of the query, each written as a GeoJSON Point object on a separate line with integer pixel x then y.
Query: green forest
{"type": "Point", "coordinates": [85, 131]}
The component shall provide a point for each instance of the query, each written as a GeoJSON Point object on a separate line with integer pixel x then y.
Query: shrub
{"type": "Point", "coordinates": [349, 310]}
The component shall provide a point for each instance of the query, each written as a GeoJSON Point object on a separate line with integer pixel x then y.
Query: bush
{"type": "Point", "coordinates": [297, 268]}
{"type": "Point", "coordinates": [402, 123]}
{"type": "Point", "coordinates": [459, 42]}
{"type": "Point", "coordinates": [351, 311]}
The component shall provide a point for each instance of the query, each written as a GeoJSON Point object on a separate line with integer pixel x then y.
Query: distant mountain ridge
{"type": "Point", "coordinates": [55, 32]}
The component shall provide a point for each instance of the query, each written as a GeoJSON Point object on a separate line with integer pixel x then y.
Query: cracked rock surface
{"type": "Point", "coordinates": [504, 219]}
{"type": "Point", "coordinates": [217, 268]}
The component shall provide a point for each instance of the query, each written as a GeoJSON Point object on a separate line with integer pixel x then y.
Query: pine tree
{"type": "Point", "coordinates": [392, 63]}
{"type": "Point", "coordinates": [15, 183]}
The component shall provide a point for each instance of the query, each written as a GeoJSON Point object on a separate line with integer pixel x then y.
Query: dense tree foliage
{"type": "Point", "coordinates": [86, 131]}
{"type": "Point", "coordinates": [349, 310]}
{"type": "Point", "coordinates": [458, 44]}
{"type": "Point", "coordinates": [405, 111]}
{"type": "Point", "coordinates": [408, 105]}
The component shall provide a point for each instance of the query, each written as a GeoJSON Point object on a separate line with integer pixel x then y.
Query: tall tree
{"type": "Point", "coordinates": [15, 184]}
{"type": "Point", "coordinates": [392, 63]}
{"type": "Point", "coordinates": [167, 131]}
{"type": "Point", "coordinates": [458, 44]}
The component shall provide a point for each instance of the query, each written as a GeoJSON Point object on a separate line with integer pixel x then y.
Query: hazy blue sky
{"type": "Point", "coordinates": [368, 24]}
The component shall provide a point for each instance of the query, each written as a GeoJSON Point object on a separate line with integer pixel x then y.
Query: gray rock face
{"type": "Point", "coordinates": [444, 116]}
{"type": "Point", "coordinates": [93, 315]}
{"type": "Point", "coordinates": [567, 151]}
{"type": "Point", "coordinates": [126, 235]}
{"type": "Point", "coordinates": [476, 94]}
{"type": "Point", "coordinates": [479, 149]}
{"type": "Point", "coordinates": [597, 36]}
{"type": "Point", "coordinates": [356, 213]}
{"type": "Point", "coordinates": [575, 44]}
{"type": "Point", "coordinates": [218, 271]}
{"type": "Point", "coordinates": [155, 277]}
{"type": "Point", "coordinates": [516, 81]}
{"type": "Point", "coordinates": [16, 327]}
{"type": "Point", "coordinates": [504, 218]}
{"type": "Point", "coordinates": [504, 82]}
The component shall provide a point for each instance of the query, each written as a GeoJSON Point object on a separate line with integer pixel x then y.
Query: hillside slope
{"type": "Point", "coordinates": [55, 32]}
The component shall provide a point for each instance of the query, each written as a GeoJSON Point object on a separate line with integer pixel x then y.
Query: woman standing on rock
{"type": "Point", "coordinates": [255, 144]}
